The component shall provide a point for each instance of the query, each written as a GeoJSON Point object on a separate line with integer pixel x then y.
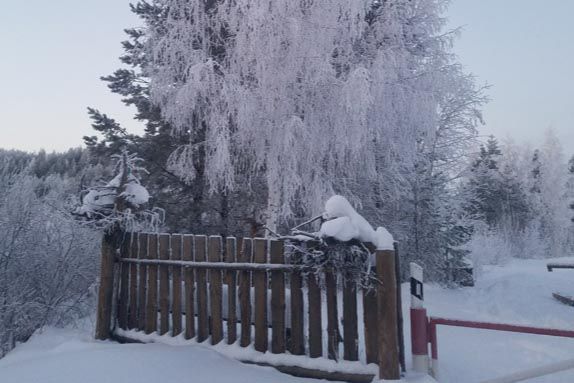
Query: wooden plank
{"type": "Point", "coordinates": [215, 291]}
{"type": "Point", "coordinates": [260, 287]}
{"type": "Point", "coordinates": [297, 309]}
{"type": "Point", "coordinates": [567, 300]}
{"type": "Point", "coordinates": [176, 243]}
{"type": "Point", "coordinates": [400, 322]}
{"type": "Point", "coordinates": [151, 303]}
{"type": "Point", "coordinates": [231, 281]}
{"type": "Point", "coordinates": [309, 373]}
{"type": "Point", "coordinates": [164, 250]}
{"type": "Point", "coordinates": [371, 330]}
{"type": "Point", "coordinates": [277, 256]}
{"type": "Point", "coordinates": [123, 297]}
{"type": "Point", "coordinates": [133, 308]}
{"type": "Point", "coordinates": [142, 286]}
{"type": "Point", "coordinates": [219, 265]}
{"type": "Point", "coordinates": [387, 313]}
{"type": "Point", "coordinates": [246, 255]}
{"type": "Point", "coordinates": [332, 315]}
{"type": "Point", "coordinates": [350, 327]}
{"type": "Point", "coordinates": [189, 276]}
{"type": "Point", "coordinates": [201, 276]}
{"type": "Point", "coordinates": [314, 307]}
{"type": "Point", "coordinates": [106, 289]}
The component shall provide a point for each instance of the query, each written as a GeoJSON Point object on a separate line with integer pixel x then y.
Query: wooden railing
{"type": "Point", "coordinates": [240, 291]}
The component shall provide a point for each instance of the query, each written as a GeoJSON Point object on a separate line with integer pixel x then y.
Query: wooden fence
{"type": "Point", "coordinates": [246, 291]}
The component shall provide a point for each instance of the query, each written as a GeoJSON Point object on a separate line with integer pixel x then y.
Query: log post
{"type": "Point", "coordinates": [106, 289]}
{"type": "Point", "coordinates": [387, 314]}
{"type": "Point", "coordinates": [400, 322]}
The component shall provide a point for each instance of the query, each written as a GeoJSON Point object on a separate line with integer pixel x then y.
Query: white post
{"type": "Point", "coordinates": [419, 322]}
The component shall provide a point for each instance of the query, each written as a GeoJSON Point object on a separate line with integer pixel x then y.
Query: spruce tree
{"type": "Point", "coordinates": [497, 196]}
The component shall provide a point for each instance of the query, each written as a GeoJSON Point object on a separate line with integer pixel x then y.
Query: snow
{"type": "Point", "coordinates": [248, 354]}
{"type": "Point", "coordinates": [344, 223]}
{"type": "Point", "coordinates": [96, 200]}
{"type": "Point", "coordinates": [519, 292]}
{"type": "Point", "coordinates": [136, 194]}
{"type": "Point", "coordinates": [70, 356]}
{"type": "Point", "coordinates": [340, 228]}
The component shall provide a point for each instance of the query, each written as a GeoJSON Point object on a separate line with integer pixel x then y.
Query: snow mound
{"type": "Point", "coordinates": [103, 199]}
{"type": "Point", "coordinates": [70, 356]}
{"type": "Point", "coordinates": [344, 223]}
{"type": "Point", "coordinates": [136, 194]}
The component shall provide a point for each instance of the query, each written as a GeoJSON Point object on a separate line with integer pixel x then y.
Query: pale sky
{"type": "Point", "coordinates": [53, 53]}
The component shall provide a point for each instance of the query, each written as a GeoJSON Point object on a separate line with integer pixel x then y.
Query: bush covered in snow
{"type": "Point", "coordinates": [48, 260]}
{"type": "Point", "coordinates": [122, 201]}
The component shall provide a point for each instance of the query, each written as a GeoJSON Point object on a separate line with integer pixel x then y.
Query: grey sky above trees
{"type": "Point", "coordinates": [54, 54]}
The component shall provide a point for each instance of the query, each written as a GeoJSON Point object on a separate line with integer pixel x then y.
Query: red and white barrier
{"type": "Point", "coordinates": [419, 322]}
{"type": "Point", "coordinates": [424, 331]}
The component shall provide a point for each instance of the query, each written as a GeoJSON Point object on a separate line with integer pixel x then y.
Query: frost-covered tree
{"type": "Point", "coordinates": [570, 187]}
{"type": "Point", "coordinates": [484, 184]}
{"type": "Point", "coordinates": [550, 198]}
{"type": "Point", "coordinates": [307, 97]}
{"type": "Point", "coordinates": [188, 205]}
{"type": "Point", "coordinates": [439, 226]}
{"type": "Point", "coordinates": [48, 261]}
{"type": "Point", "coordinates": [522, 196]}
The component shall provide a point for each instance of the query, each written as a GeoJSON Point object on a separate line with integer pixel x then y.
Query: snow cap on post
{"type": "Point", "coordinates": [344, 224]}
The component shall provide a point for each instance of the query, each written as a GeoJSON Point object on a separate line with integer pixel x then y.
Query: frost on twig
{"type": "Point", "coordinates": [121, 203]}
{"type": "Point", "coordinates": [345, 243]}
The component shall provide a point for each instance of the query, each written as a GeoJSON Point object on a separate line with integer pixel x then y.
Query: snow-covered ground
{"type": "Point", "coordinates": [71, 356]}
{"type": "Point", "coordinates": [519, 292]}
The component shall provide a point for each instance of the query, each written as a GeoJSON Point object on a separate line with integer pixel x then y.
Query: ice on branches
{"type": "Point", "coordinates": [122, 200]}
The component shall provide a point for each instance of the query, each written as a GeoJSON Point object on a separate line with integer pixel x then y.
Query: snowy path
{"type": "Point", "coordinates": [519, 293]}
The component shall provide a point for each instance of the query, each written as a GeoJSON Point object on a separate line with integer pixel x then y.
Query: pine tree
{"type": "Point", "coordinates": [484, 184]}
{"type": "Point", "coordinates": [498, 197]}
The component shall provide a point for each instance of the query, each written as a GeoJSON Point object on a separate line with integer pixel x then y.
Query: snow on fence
{"type": "Point", "coordinates": [246, 291]}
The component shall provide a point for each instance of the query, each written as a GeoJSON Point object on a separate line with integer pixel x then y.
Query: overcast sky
{"type": "Point", "coordinates": [53, 53]}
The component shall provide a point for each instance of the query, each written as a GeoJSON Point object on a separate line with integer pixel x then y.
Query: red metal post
{"type": "Point", "coordinates": [419, 321]}
{"type": "Point", "coordinates": [433, 339]}
{"type": "Point", "coordinates": [419, 336]}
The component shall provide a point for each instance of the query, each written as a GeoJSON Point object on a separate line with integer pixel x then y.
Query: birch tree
{"type": "Point", "coordinates": [310, 97]}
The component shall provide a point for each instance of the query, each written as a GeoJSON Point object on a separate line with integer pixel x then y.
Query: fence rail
{"type": "Point", "coordinates": [250, 291]}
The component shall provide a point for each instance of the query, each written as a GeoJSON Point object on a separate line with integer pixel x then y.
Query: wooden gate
{"type": "Point", "coordinates": [246, 291]}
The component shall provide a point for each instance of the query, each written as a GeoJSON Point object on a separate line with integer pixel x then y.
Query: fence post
{"type": "Point", "coordinates": [106, 289]}
{"type": "Point", "coordinates": [387, 314]}
{"type": "Point", "coordinates": [419, 321]}
{"type": "Point", "coordinates": [400, 310]}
